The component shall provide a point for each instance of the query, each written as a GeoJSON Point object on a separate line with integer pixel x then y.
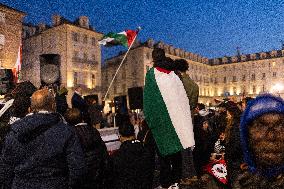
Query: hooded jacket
{"type": "Point", "coordinates": [41, 151]}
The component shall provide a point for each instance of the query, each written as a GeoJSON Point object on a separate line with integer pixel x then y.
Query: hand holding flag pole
{"type": "Point", "coordinates": [137, 31]}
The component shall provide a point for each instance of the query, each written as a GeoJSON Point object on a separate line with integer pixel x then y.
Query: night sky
{"type": "Point", "coordinates": [212, 28]}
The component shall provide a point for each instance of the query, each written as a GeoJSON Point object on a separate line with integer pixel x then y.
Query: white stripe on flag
{"type": "Point", "coordinates": [177, 103]}
{"type": "Point", "coordinates": [106, 40]}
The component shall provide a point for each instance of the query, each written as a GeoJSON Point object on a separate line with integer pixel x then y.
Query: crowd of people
{"type": "Point", "coordinates": [45, 144]}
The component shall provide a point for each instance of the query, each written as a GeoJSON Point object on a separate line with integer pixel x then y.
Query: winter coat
{"type": "Point", "coordinates": [96, 156]}
{"type": "Point", "coordinates": [191, 88]}
{"type": "Point", "coordinates": [41, 151]}
{"type": "Point", "coordinates": [79, 103]}
{"type": "Point", "coordinates": [131, 166]}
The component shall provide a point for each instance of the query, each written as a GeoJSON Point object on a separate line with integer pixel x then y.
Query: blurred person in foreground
{"type": "Point", "coordinates": [262, 139]}
{"type": "Point", "coordinates": [41, 151]}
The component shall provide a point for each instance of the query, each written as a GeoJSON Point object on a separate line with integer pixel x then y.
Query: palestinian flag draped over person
{"type": "Point", "coordinates": [124, 38]}
{"type": "Point", "coordinates": [167, 111]}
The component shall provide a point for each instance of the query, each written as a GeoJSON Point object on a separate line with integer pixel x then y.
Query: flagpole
{"type": "Point", "coordinates": [121, 63]}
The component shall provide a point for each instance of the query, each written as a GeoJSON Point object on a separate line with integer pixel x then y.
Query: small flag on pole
{"type": "Point", "coordinates": [124, 38]}
{"type": "Point", "coordinates": [17, 68]}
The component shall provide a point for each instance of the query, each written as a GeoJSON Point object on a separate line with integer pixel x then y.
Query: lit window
{"type": "Point", "coordinates": [93, 41]}
{"type": "Point", "coordinates": [2, 40]}
{"type": "Point", "coordinates": [75, 36]}
{"type": "Point", "coordinates": [253, 89]}
{"type": "Point", "coordinates": [93, 80]}
{"type": "Point", "coordinates": [253, 77]}
{"type": "Point", "coordinates": [75, 78]}
{"type": "Point", "coordinates": [263, 76]}
{"type": "Point", "coordinates": [274, 74]}
{"type": "Point", "coordinates": [2, 17]}
{"type": "Point", "coordinates": [85, 39]}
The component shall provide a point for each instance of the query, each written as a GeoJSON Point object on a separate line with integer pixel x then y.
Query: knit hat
{"type": "Point", "coordinates": [263, 104]}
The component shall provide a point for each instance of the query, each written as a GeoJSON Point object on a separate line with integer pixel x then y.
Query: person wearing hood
{"type": "Point", "coordinates": [41, 151]}
{"type": "Point", "coordinates": [132, 162]}
{"type": "Point", "coordinates": [262, 140]}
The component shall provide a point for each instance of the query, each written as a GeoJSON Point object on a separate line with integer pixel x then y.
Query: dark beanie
{"type": "Point", "coordinates": [126, 129]}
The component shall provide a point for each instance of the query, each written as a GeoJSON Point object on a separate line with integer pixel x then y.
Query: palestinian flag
{"type": "Point", "coordinates": [167, 111]}
{"type": "Point", "coordinates": [124, 38]}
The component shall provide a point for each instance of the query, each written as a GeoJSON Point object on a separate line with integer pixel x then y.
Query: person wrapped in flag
{"type": "Point", "coordinates": [167, 112]}
{"type": "Point", "coordinates": [166, 109]}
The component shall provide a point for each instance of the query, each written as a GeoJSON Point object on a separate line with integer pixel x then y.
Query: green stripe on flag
{"type": "Point", "coordinates": [158, 118]}
{"type": "Point", "coordinates": [119, 39]}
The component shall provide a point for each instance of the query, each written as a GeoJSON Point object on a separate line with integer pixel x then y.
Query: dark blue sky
{"type": "Point", "coordinates": [212, 28]}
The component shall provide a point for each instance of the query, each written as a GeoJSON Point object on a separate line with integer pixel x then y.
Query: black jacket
{"type": "Point", "coordinates": [79, 103]}
{"type": "Point", "coordinates": [132, 166]}
{"type": "Point", "coordinates": [96, 157]}
{"type": "Point", "coordinates": [41, 151]}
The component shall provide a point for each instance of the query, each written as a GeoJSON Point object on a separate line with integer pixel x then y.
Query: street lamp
{"type": "Point", "coordinates": [277, 88]}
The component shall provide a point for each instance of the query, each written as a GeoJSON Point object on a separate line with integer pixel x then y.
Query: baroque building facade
{"type": "Point", "coordinates": [235, 77]}
{"type": "Point", "coordinates": [10, 35]}
{"type": "Point", "coordinates": [73, 46]}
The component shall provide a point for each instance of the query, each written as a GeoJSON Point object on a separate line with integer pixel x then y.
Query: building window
{"type": "Point", "coordinates": [253, 89]}
{"type": "Point", "coordinates": [123, 76]}
{"type": "Point", "coordinates": [234, 79]}
{"type": "Point", "coordinates": [274, 74]}
{"type": "Point", "coordinates": [253, 77]}
{"type": "Point", "coordinates": [215, 81]}
{"type": "Point", "coordinates": [94, 57]}
{"type": "Point", "coordinates": [2, 41]}
{"type": "Point", "coordinates": [244, 78]}
{"type": "Point", "coordinates": [76, 54]}
{"type": "Point", "coordinates": [263, 88]}
{"type": "Point", "coordinates": [93, 80]}
{"type": "Point", "coordinates": [225, 80]}
{"type": "Point", "coordinates": [85, 39]}
{"type": "Point", "coordinates": [93, 41]}
{"type": "Point", "coordinates": [85, 56]}
{"type": "Point", "coordinates": [75, 78]}
{"type": "Point", "coordinates": [75, 36]}
{"type": "Point", "coordinates": [123, 88]}
{"type": "Point", "coordinates": [215, 92]}
{"type": "Point", "coordinates": [235, 90]}
{"type": "Point", "coordinates": [2, 18]}
{"type": "Point", "coordinates": [263, 76]}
